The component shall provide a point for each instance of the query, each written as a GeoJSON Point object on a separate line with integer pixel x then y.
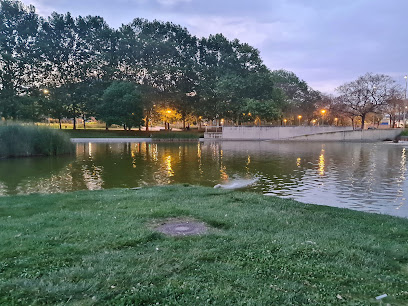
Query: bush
{"type": "Point", "coordinates": [19, 141]}
{"type": "Point", "coordinates": [404, 133]}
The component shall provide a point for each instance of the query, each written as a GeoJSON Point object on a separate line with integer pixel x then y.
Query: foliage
{"type": "Point", "coordinates": [121, 104]}
{"type": "Point", "coordinates": [168, 115]}
{"type": "Point", "coordinates": [18, 31]}
{"type": "Point", "coordinates": [368, 94]}
{"type": "Point", "coordinates": [99, 248]}
{"type": "Point", "coordinates": [21, 141]}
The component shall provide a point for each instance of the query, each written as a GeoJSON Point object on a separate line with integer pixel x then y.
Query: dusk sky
{"type": "Point", "coordinates": [326, 43]}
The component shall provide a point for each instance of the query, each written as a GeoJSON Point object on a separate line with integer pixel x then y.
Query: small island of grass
{"type": "Point", "coordinates": [101, 248]}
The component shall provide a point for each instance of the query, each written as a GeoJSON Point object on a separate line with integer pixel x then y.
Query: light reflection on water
{"type": "Point", "coordinates": [369, 176]}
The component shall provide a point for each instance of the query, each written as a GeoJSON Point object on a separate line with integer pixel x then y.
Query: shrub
{"type": "Point", "coordinates": [20, 140]}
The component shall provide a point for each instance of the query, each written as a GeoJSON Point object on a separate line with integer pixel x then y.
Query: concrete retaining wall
{"type": "Point", "coordinates": [275, 133]}
{"type": "Point", "coordinates": [360, 135]}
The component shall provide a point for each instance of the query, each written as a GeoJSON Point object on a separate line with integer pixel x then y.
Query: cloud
{"type": "Point", "coordinates": [172, 2]}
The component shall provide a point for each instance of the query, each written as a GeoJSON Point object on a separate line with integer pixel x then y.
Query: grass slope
{"type": "Point", "coordinates": [96, 248]}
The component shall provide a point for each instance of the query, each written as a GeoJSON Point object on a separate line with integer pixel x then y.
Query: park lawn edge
{"type": "Point", "coordinates": [98, 247]}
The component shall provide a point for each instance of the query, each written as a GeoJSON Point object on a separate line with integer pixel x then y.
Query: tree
{"type": "Point", "coordinates": [368, 94]}
{"type": "Point", "coordinates": [395, 106]}
{"type": "Point", "coordinates": [121, 104]}
{"type": "Point", "coordinates": [226, 73]}
{"type": "Point", "coordinates": [299, 97]}
{"type": "Point", "coordinates": [18, 38]}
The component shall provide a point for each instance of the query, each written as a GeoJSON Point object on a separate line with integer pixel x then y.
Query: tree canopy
{"type": "Point", "coordinates": [69, 67]}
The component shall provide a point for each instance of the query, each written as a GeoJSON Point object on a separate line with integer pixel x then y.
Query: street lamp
{"type": "Point", "coordinates": [46, 91]}
{"type": "Point", "coordinates": [405, 100]}
{"type": "Point", "coordinates": [285, 120]}
{"type": "Point", "coordinates": [299, 117]}
{"type": "Point", "coordinates": [323, 111]}
{"type": "Point", "coordinates": [336, 120]}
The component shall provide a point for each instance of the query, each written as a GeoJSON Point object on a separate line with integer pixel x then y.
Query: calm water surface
{"type": "Point", "coordinates": [370, 176]}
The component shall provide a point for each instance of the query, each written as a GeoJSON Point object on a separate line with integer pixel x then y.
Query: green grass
{"type": "Point", "coordinates": [98, 248]}
{"type": "Point", "coordinates": [177, 135]}
{"type": "Point", "coordinates": [404, 133]}
{"type": "Point", "coordinates": [30, 140]}
{"type": "Point", "coordinates": [93, 133]}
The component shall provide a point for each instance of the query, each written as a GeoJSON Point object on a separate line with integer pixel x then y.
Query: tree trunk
{"type": "Point", "coordinates": [124, 127]}
{"type": "Point", "coordinates": [83, 118]}
{"type": "Point", "coordinates": [352, 122]}
{"type": "Point", "coordinates": [147, 123]}
{"type": "Point", "coordinates": [60, 126]}
{"type": "Point", "coordinates": [74, 127]}
{"type": "Point", "coordinates": [106, 127]}
{"type": "Point", "coordinates": [184, 123]}
{"type": "Point", "coordinates": [362, 121]}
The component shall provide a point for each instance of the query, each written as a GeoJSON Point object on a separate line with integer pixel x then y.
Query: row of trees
{"type": "Point", "coordinates": [65, 67]}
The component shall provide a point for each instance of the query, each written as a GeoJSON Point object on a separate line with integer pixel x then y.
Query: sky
{"type": "Point", "coordinates": [326, 43]}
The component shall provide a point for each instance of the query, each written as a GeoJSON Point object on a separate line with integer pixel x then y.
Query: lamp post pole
{"type": "Point", "coordinates": [323, 111]}
{"type": "Point", "coordinates": [405, 100]}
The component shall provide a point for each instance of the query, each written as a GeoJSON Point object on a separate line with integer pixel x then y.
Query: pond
{"type": "Point", "coordinates": [363, 176]}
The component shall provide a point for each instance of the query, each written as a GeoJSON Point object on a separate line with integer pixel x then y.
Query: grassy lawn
{"type": "Point", "coordinates": [93, 248]}
{"type": "Point", "coordinates": [102, 133]}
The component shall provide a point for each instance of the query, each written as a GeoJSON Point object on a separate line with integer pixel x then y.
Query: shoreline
{"type": "Point", "coordinates": [119, 140]}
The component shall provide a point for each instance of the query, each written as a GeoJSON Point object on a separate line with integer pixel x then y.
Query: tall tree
{"type": "Point", "coordinates": [121, 104]}
{"type": "Point", "coordinates": [18, 38]}
{"type": "Point", "coordinates": [368, 94]}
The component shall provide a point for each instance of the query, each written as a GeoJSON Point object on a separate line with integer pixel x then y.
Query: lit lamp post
{"type": "Point", "coordinates": [405, 100]}
{"type": "Point", "coordinates": [336, 120]}
{"type": "Point", "coordinates": [46, 92]}
{"type": "Point", "coordinates": [284, 121]}
{"type": "Point", "coordinates": [299, 117]}
{"type": "Point", "coordinates": [323, 111]}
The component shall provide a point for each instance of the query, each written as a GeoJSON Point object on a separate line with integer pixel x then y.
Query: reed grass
{"type": "Point", "coordinates": [17, 140]}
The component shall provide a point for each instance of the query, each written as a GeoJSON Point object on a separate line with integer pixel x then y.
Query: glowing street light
{"type": "Point", "coordinates": [336, 120]}
{"type": "Point", "coordinates": [285, 120]}
{"type": "Point", "coordinates": [323, 111]}
{"type": "Point", "coordinates": [299, 117]}
{"type": "Point", "coordinates": [46, 91]}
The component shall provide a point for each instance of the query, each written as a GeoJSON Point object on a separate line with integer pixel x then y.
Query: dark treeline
{"type": "Point", "coordinates": [66, 67]}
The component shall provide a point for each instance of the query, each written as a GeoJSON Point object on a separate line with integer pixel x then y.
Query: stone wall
{"type": "Point", "coordinates": [275, 133]}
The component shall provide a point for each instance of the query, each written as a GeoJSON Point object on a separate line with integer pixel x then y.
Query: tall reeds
{"type": "Point", "coordinates": [29, 140]}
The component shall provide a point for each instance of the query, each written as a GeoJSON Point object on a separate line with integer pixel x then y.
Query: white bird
{"type": "Point", "coordinates": [237, 184]}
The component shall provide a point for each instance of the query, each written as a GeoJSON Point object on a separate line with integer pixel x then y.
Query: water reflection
{"type": "Point", "coordinates": [370, 177]}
